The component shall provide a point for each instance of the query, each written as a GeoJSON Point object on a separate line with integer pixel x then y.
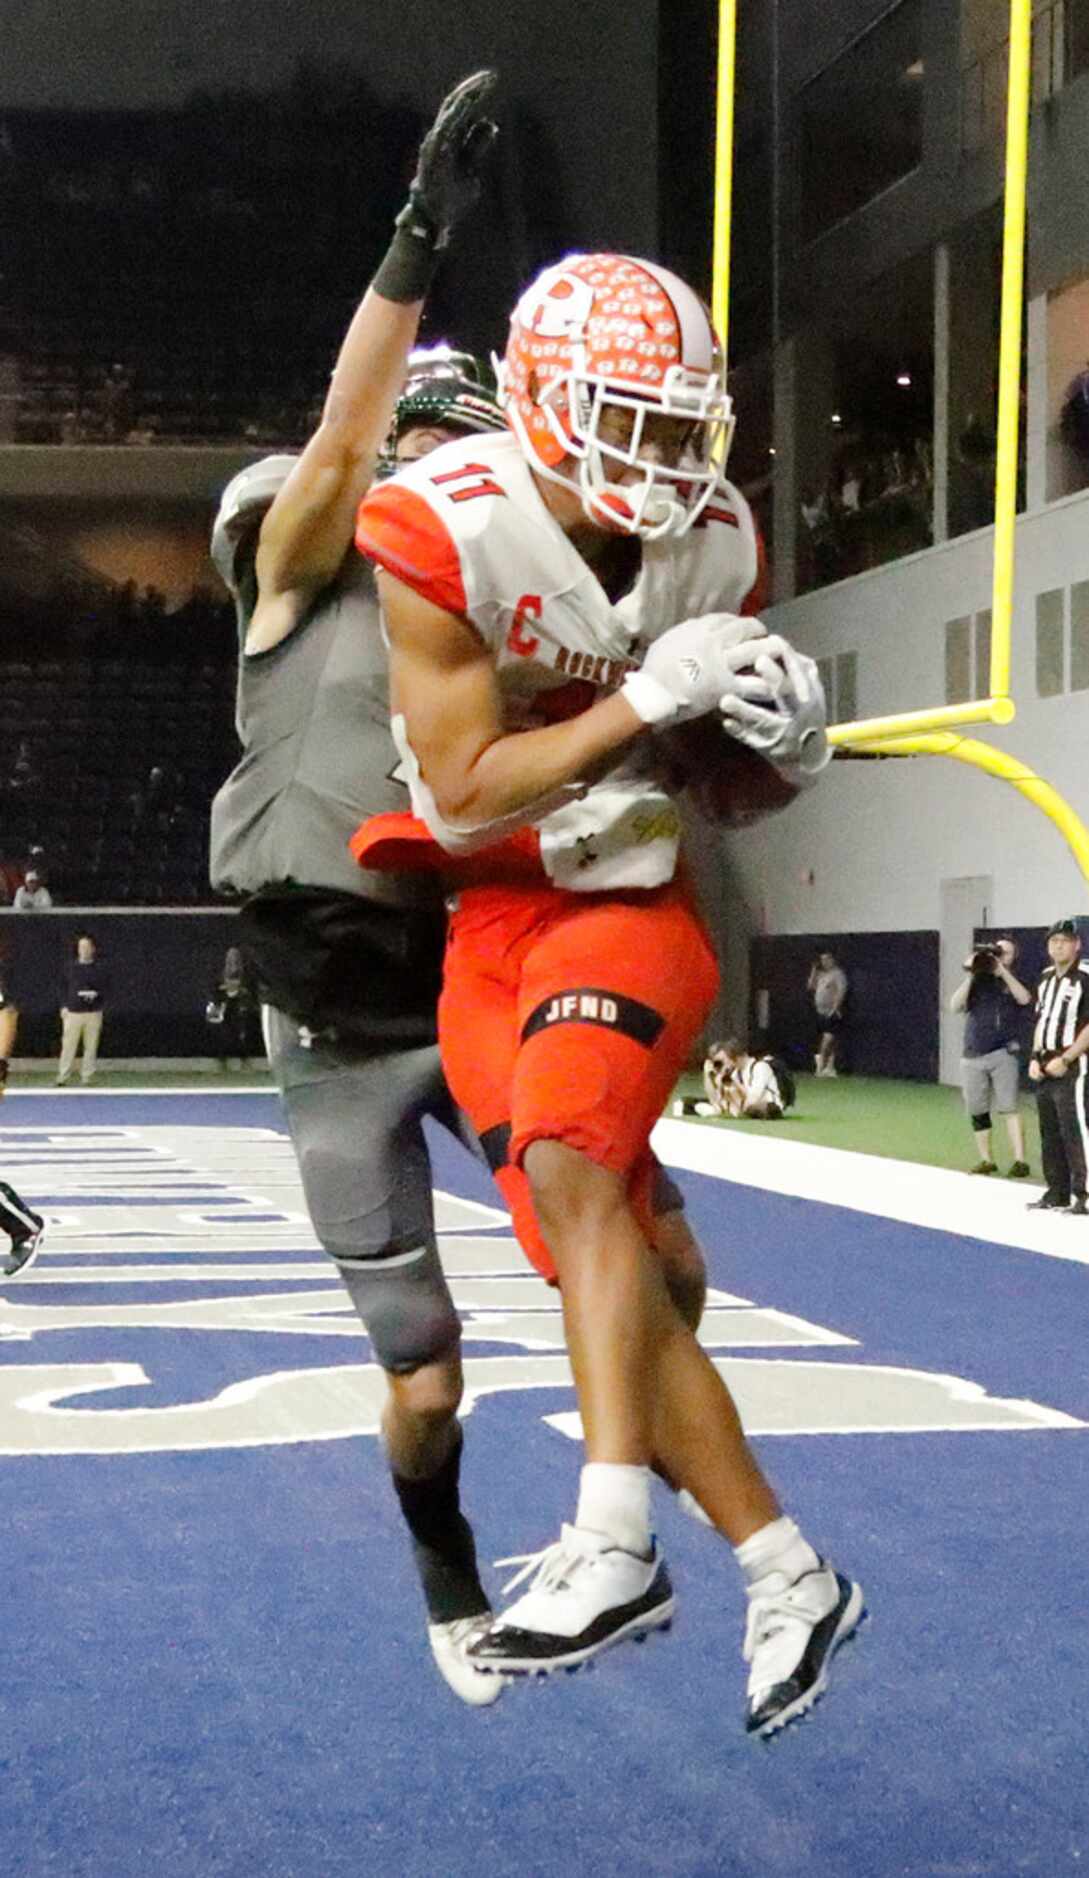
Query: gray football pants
{"type": "Point", "coordinates": [356, 1124]}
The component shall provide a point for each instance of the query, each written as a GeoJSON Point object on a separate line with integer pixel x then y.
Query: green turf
{"type": "Point", "coordinates": [911, 1121]}
{"type": "Point", "coordinates": [165, 1079]}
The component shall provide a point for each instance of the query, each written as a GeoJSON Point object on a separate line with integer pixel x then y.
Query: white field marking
{"type": "Point", "coordinates": [968, 1207]}
{"type": "Point", "coordinates": [860, 1398]}
{"type": "Point", "coordinates": [239, 1150]}
{"type": "Point", "coordinates": [789, 1397]}
{"type": "Point", "coordinates": [719, 1330]}
{"type": "Point", "coordinates": [337, 1402]}
{"type": "Point", "coordinates": [72, 1091]}
{"type": "Point", "coordinates": [209, 1245]}
{"type": "Point", "coordinates": [250, 1237]}
{"type": "Point", "coordinates": [298, 1273]}
{"type": "Point", "coordinates": [330, 1313]}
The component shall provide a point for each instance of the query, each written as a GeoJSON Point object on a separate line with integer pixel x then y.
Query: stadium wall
{"type": "Point", "coordinates": [883, 1035]}
{"type": "Point", "coordinates": [162, 967]}
{"type": "Point", "coordinates": [870, 847]}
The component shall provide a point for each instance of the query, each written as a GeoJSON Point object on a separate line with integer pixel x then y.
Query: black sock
{"type": "Point", "coordinates": [442, 1541]}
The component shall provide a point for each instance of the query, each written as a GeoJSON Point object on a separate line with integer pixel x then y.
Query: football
{"type": "Point", "coordinates": [727, 782]}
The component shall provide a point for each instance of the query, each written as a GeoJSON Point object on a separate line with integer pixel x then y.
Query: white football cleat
{"type": "Point", "coordinates": [793, 1631]}
{"type": "Point", "coordinates": [448, 1641]}
{"type": "Point", "coordinates": [586, 1593]}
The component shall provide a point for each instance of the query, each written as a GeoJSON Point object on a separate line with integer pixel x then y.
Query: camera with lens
{"type": "Point", "coordinates": [983, 962]}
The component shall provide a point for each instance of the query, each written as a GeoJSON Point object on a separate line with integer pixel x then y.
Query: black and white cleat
{"type": "Point", "coordinates": [793, 1632]}
{"type": "Point", "coordinates": [586, 1594]}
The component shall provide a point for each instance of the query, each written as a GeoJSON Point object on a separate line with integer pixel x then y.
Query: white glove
{"type": "Point", "coordinates": [693, 665]}
{"type": "Point", "coordinates": [790, 730]}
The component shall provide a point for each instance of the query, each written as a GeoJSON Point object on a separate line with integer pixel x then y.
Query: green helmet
{"type": "Point", "coordinates": [447, 388]}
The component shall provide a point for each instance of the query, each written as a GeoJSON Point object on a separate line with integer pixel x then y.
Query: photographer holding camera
{"type": "Point", "coordinates": [991, 997]}
{"type": "Point", "coordinates": [735, 1082]}
{"type": "Point", "coordinates": [1060, 1070]}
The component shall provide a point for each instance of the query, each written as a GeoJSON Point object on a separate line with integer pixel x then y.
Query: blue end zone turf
{"type": "Point", "coordinates": [214, 1662]}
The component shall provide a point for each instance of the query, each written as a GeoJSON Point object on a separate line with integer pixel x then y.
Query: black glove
{"type": "Point", "coordinates": [451, 161]}
{"type": "Point", "coordinates": [444, 188]}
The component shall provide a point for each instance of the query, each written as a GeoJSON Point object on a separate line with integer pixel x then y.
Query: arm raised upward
{"type": "Point", "coordinates": [308, 529]}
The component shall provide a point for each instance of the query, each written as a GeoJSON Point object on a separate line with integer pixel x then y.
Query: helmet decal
{"type": "Point", "coordinates": [603, 334]}
{"type": "Point", "coordinates": [557, 306]}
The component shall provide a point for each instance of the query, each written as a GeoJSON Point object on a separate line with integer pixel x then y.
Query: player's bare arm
{"type": "Point", "coordinates": [443, 684]}
{"type": "Point", "coordinates": [308, 529]}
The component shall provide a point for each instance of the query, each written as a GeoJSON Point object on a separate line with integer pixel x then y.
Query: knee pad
{"type": "Point", "coordinates": [981, 1122]}
{"type": "Point", "coordinates": [405, 1307]}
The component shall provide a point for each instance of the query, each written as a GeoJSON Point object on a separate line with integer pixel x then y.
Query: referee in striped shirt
{"type": "Point", "coordinates": [1060, 1070]}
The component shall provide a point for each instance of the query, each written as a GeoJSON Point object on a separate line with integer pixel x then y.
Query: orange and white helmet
{"type": "Point", "coordinates": [601, 333]}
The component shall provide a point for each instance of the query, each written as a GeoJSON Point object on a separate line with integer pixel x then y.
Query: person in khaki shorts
{"type": "Point", "coordinates": [83, 997]}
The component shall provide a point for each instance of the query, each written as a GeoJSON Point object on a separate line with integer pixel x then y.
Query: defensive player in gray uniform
{"type": "Point", "coordinates": [349, 963]}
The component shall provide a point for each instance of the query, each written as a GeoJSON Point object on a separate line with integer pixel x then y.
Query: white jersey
{"type": "Point", "coordinates": [466, 528]}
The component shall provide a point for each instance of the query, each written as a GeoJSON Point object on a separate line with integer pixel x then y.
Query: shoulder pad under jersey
{"type": "Point", "coordinates": [458, 526]}
{"type": "Point", "coordinates": [241, 506]}
{"type": "Point", "coordinates": [720, 562]}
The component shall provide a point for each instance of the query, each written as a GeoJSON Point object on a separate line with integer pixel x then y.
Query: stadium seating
{"type": "Point", "coordinates": [90, 733]}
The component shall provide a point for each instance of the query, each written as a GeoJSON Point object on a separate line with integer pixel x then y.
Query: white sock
{"type": "Point", "coordinates": [778, 1547]}
{"type": "Point", "coordinates": [614, 1498]}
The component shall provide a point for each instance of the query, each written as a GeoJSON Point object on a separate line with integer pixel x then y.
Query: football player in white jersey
{"type": "Point", "coordinates": [551, 599]}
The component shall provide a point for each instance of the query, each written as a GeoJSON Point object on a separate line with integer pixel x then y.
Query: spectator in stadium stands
{"type": "Point", "coordinates": [84, 994]}
{"type": "Point", "coordinates": [33, 896]}
{"type": "Point", "coordinates": [827, 986]}
{"type": "Point", "coordinates": [118, 405]}
{"type": "Point", "coordinates": [231, 1010]}
{"type": "Point", "coordinates": [23, 774]}
{"type": "Point", "coordinates": [1060, 1069]}
{"type": "Point", "coordinates": [991, 998]}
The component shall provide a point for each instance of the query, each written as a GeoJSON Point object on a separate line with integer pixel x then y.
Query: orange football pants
{"type": "Point", "coordinates": [568, 1017]}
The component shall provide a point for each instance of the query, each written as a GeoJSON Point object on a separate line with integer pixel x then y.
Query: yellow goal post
{"type": "Point", "coordinates": [936, 731]}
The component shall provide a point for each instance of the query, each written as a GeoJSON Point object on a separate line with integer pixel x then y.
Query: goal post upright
{"type": "Point", "coordinates": [726, 89]}
{"type": "Point", "coordinates": [939, 730]}
{"type": "Point", "coordinates": [998, 707]}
